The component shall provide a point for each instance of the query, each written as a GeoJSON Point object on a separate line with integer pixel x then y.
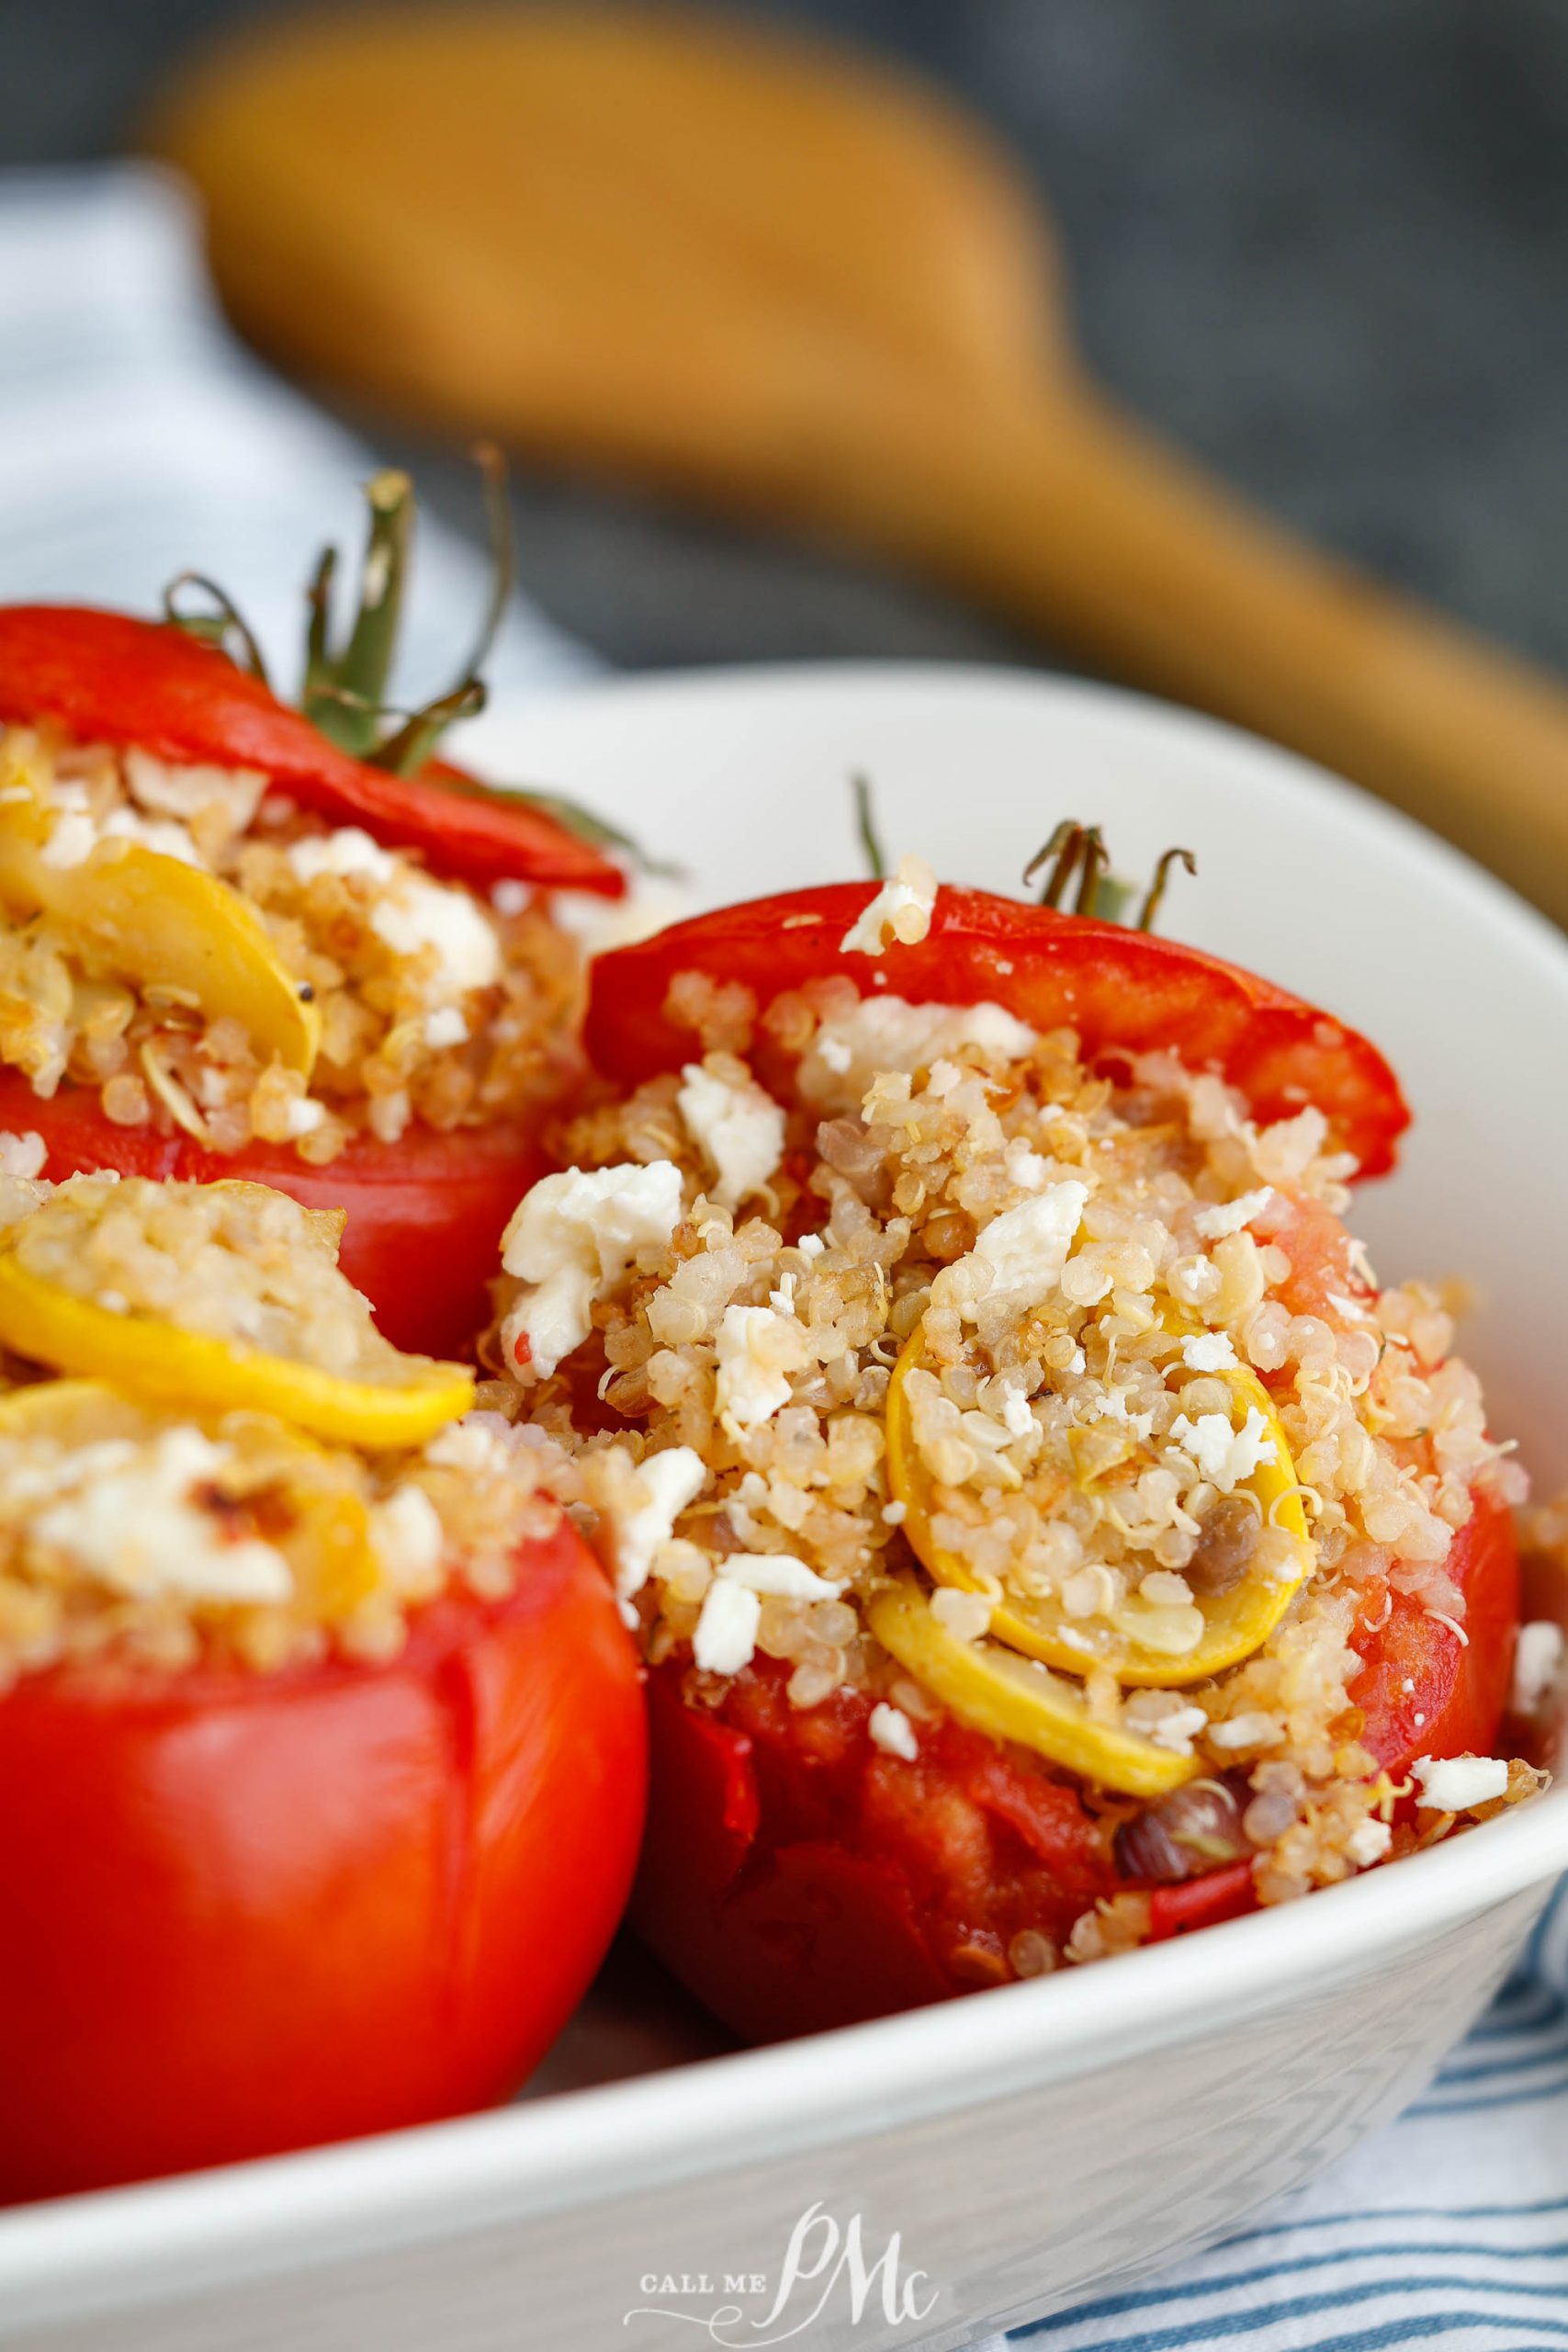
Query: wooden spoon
{"type": "Point", "coordinates": [795, 286]}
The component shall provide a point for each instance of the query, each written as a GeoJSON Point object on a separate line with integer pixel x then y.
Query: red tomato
{"type": "Point", "coordinates": [1125, 991]}
{"type": "Point", "coordinates": [244, 1913]}
{"type": "Point", "coordinates": [794, 1878]}
{"type": "Point", "coordinates": [108, 678]}
{"type": "Point", "coordinates": [425, 1214]}
{"type": "Point", "coordinates": [1458, 1683]}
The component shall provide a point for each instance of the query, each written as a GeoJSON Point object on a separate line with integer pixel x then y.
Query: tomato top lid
{"type": "Point", "coordinates": [1124, 990]}
{"type": "Point", "coordinates": [193, 689]}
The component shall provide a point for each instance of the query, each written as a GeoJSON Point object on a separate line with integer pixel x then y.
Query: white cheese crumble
{"type": "Point", "coordinates": [1255, 1730]}
{"type": "Point", "coordinates": [901, 910]}
{"type": "Point", "coordinates": [1230, 1216]}
{"type": "Point", "coordinates": [132, 1524]}
{"type": "Point", "coordinates": [1537, 1659]}
{"type": "Point", "coordinates": [73, 839]}
{"type": "Point", "coordinates": [739, 1128]}
{"type": "Point", "coordinates": [447, 1025]}
{"type": "Point", "coordinates": [407, 1536]}
{"type": "Point", "coordinates": [414, 913]}
{"type": "Point", "coordinates": [965, 1615]}
{"type": "Point", "coordinates": [1016, 1418]}
{"type": "Point", "coordinates": [892, 1731]}
{"type": "Point", "coordinates": [665, 1483]}
{"type": "Point", "coordinates": [1209, 1351]}
{"type": "Point", "coordinates": [1457, 1783]}
{"type": "Point", "coordinates": [23, 1154]}
{"type": "Point", "coordinates": [888, 1032]}
{"type": "Point", "coordinates": [1225, 1456]}
{"type": "Point", "coordinates": [349, 850]}
{"type": "Point", "coordinates": [1179, 1729]}
{"type": "Point", "coordinates": [726, 1634]}
{"type": "Point", "coordinates": [572, 1235]}
{"type": "Point", "coordinates": [757, 1349]}
{"type": "Point", "coordinates": [1369, 1842]}
{"type": "Point", "coordinates": [1026, 1247]}
{"type": "Point", "coordinates": [166, 835]}
{"type": "Point", "coordinates": [779, 1573]}
{"type": "Point", "coordinates": [303, 1117]}
{"type": "Point", "coordinates": [421, 914]}
{"type": "Point", "coordinates": [810, 1246]}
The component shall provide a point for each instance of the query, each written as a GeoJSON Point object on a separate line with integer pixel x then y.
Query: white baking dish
{"type": "Point", "coordinates": [1026, 2144]}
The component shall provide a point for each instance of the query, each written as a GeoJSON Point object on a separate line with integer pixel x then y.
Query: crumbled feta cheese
{"type": "Point", "coordinates": [895, 1514]}
{"type": "Point", "coordinates": [1179, 1729]}
{"type": "Point", "coordinates": [757, 1349]}
{"type": "Point", "coordinates": [1209, 1351]}
{"type": "Point", "coordinates": [407, 1536]}
{"type": "Point", "coordinates": [779, 1573]}
{"type": "Point", "coordinates": [665, 1484]}
{"type": "Point", "coordinates": [901, 911]}
{"type": "Point", "coordinates": [303, 1115]}
{"type": "Point", "coordinates": [885, 1032]}
{"type": "Point", "coordinates": [1369, 1842]}
{"type": "Point", "coordinates": [447, 1025]}
{"type": "Point", "coordinates": [1225, 1456]}
{"type": "Point", "coordinates": [725, 1633]}
{"type": "Point", "coordinates": [132, 1523]}
{"type": "Point", "coordinates": [23, 1154]}
{"type": "Point", "coordinates": [1457, 1783]}
{"type": "Point", "coordinates": [184, 792]}
{"type": "Point", "coordinates": [739, 1128]}
{"type": "Point", "coordinates": [420, 914]}
{"type": "Point", "coordinates": [349, 850]}
{"type": "Point", "coordinates": [1026, 1247]}
{"type": "Point", "coordinates": [166, 835]}
{"type": "Point", "coordinates": [1025, 1168]}
{"type": "Point", "coordinates": [1537, 1658]}
{"type": "Point", "coordinates": [965, 1615]}
{"type": "Point", "coordinates": [811, 1245]}
{"type": "Point", "coordinates": [1016, 1418]}
{"type": "Point", "coordinates": [1253, 1730]}
{"type": "Point", "coordinates": [510, 897]}
{"type": "Point", "coordinates": [1230, 1216]}
{"type": "Point", "coordinates": [73, 839]}
{"type": "Point", "coordinates": [892, 1731]}
{"type": "Point", "coordinates": [573, 1234]}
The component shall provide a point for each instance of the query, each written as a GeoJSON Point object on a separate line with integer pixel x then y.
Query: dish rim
{"type": "Point", "coordinates": [121, 2247]}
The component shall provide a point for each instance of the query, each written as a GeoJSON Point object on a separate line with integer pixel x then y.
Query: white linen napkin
{"type": "Point", "coordinates": [138, 440]}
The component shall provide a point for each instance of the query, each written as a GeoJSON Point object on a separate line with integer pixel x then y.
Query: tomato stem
{"type": "Point", "coordinates": [865, 826]}
{"type": "Point", "coordinates": [217, 628]}
{"type": "Point", "coordinates": [1155, 892]}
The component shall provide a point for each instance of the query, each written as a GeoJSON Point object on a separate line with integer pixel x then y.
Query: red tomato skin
{"type": "Point", "coordinates": [1127, 992]}
{"type": "Point", "coordinates": [1460, 1688]}
{"type": "Point", "coordinates": [425, 1215]}
{"type": "Point", "coordinates": [241, 1913]}
{"type": "Point", "coordinates": [110, 678]}
{"type": "Point", "coordinates": [783, 1879]}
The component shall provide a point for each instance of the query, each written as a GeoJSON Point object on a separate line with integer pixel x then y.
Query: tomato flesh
{"type": "Point", "coordinates": [244, 1913]}
{"type": "Point", "coordinates": [425, 1215]}
{"type": "Point", "coordinates": [795, 1878]}
{"type": "Point", "coordinates": [109, 678]}
{"type": "Point", "coordinates": [1126, 992]}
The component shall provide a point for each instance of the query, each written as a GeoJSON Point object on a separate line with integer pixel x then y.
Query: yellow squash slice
{"type": "Point", "coordinates": [995, 1690]}
{"type": "Point", "coordinates": [141, 916]}
{"type": "Point", "coordinates": [1234, 1624]}
{"type": "Point", "coordinates": [401, 1401]}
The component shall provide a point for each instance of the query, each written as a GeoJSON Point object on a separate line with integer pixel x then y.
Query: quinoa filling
{"type": "Point", "coordinates": [167, 1539]}
{"type": "Point", "coordinates": [874, 1271]}
{"type": "Point", "coordinates": [435, 1006]}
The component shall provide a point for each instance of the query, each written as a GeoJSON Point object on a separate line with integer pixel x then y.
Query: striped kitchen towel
{"type": "Point", "coordinates": [136, 440]}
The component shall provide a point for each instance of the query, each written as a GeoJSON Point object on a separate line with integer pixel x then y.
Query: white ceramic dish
{"type": "Point", "coordinates": [1028, 2143]}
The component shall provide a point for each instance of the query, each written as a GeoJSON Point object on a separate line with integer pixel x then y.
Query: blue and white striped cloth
{"type": "Point", "coordinates": [136, 440]}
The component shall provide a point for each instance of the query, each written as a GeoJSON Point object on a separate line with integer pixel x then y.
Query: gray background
{"type": "Point", "coordinates": [1324, 244]}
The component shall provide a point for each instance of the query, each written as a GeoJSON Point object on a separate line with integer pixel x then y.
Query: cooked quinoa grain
{"type": "Point", "coordinates": [435, 1005]}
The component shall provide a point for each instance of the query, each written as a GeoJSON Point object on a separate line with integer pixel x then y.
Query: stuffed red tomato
{"type": "Point", "coordinates": [321, 1740]}
{"type": "Point", "coordinates": [1044, 1532]}
{"type": "Point", "coordinates": [240, 938]}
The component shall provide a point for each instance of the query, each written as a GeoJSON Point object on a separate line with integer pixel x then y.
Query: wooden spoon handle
{"type": "Point", "coordinates": [1075, 522]}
